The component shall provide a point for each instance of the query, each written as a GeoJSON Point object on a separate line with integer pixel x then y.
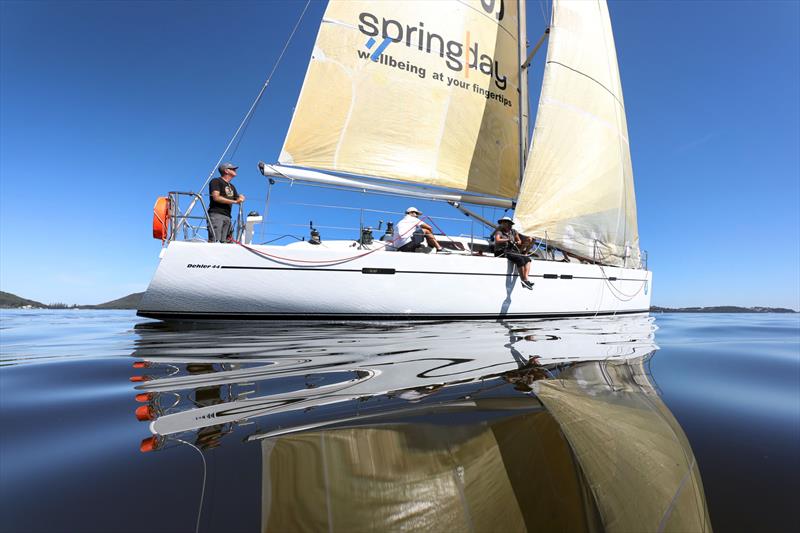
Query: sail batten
{"type": "Point", "coordinates": [578, 185]}
{"type": "Point", "coordinates": [425, 92]}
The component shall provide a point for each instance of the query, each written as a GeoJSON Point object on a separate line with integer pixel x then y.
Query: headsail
{"type": "Point", "coordinates": [578, 185]}
{"type": "Point", "coordinates": [419, 91]}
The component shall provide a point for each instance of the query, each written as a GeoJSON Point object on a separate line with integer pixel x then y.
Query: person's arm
{"type": "Point", "coordinates": [498, 238]}
{"type": "Point", "coordinates": [218, 198]}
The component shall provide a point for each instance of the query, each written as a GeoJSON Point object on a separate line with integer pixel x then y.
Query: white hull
{"type": "Point", "coordinates": [197, 280]}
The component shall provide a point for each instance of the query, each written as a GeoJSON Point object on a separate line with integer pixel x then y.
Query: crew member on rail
{"type": "Point", "coordinates": [223, 195]}
{"type": "Point", "coordinates": [507, 243]}
{"type": "Point", "coordinates": [411, 231]}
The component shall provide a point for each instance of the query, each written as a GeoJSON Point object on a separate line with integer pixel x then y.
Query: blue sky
{"type": "Point", "coordinates": [106, 105]}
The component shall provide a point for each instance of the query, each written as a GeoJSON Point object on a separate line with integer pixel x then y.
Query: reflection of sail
{"type": "Point", "coordinates": [508, 475]}
{"type": "Point", "coordinates": [631, 468]}
{"type": "Point", "coordinates": [633, 452]}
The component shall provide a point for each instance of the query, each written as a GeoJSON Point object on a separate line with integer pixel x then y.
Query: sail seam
{"type": "Point", "coordinates": [490, 17]}
{"type": "Point", "coordinates": [591, 78]}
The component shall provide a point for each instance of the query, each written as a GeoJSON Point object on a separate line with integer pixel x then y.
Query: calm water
{"type": "Point", "coordinates": [684, 422]}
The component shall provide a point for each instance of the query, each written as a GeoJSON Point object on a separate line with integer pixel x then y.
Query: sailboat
{"type": "Point", "coordinates": [429, 100]}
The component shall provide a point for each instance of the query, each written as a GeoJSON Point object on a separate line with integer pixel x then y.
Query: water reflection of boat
{"type": "Point", "coordinates": [310, 373]}
{"type": "Point", "coordinates": [435, 433]}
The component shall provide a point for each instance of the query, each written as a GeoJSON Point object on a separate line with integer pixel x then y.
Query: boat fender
{"type": "Point", "coordinates": [150, 444]}
{"type": "Point", "coordinates": [145, 413]}
{"type": "Point", "coordinates": [161, 218]}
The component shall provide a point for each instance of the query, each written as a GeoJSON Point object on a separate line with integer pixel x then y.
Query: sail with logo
{"type": "Point", "coordinates": [425, 92]}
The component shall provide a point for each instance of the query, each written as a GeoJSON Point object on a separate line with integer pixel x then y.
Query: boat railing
{"type": "Point", "coordinates": [188, 225]}
{"type": "Point", "coordinates": [183, 222]}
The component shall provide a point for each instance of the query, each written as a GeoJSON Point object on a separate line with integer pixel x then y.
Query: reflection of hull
{"type": "Point", "coordinates": [553, 341]}
{"type": "Point", "coordinates": [463, 352]}
{"type": "Point", "coordinates": [382, 285]}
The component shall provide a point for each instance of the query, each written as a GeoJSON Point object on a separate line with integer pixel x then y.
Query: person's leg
{"type": "Point", "coordinates": [523, 267]}
{"type": "Point", "coordinates": [214, 227]}
{"type": "Point", "coordinates": [431, 239]}
{"type": "Point", "coordinates": [226, 229]}
{"type": "Point", "coordinates": [416, 239]}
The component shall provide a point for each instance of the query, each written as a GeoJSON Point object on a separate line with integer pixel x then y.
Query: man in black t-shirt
{"type": "Point", "coordinates": [223, 195]}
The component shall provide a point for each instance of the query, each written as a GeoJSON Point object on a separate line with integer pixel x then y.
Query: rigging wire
{"type": "Point", "coordinates": [541, 6]}
{"type": "Point", "coordinates": [249, 114]}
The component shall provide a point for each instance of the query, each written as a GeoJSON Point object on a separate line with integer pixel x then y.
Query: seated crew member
{"type": "Point", "coordinates": [411, 231]}
{"type": "Point", "coordinates": [507, 244]}
{"type": "Point", "coordinates": [223, 195]}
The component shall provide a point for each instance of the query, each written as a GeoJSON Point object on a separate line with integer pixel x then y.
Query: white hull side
{"type": "Point", "coordinates": [196, 280]}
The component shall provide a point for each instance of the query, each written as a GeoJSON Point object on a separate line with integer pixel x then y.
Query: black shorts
{"type": "Point", "coordinates": [416, 240]}
{"type": "Point", "coordinates": [518, 259]}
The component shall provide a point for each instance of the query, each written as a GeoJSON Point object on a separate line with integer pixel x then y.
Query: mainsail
{"type": "Point", "coordinates": [578, 185]}
{"type": "Point", "coordinates": [419, 91]}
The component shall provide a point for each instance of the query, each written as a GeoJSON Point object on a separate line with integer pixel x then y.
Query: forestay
{"type": "Point", "coordinates": [420, 91]}
{"type": "Point", "coordinates": [578, 185]}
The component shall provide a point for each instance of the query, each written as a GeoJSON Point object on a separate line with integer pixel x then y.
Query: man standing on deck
{"type": "Point", "coordinates": [223, 195]}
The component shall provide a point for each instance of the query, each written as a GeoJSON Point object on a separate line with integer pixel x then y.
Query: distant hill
{"type": "Point", "coordinates": [721, 309]}
{"type": "Point", "coordinates": [11, 301]}
{"type": "Point", "coordinates": [130, 301]}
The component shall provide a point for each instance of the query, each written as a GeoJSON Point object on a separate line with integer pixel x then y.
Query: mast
{"type": "Point", "coordinates": [522, 88]}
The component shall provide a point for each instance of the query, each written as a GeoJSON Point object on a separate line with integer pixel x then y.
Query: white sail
{"type": "Point", "coordinates": [421, 91]}
{"type": "Point", "coordinates": [578, 185]}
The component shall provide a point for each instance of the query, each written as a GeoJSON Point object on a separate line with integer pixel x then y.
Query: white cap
{"type": "Point", "coordinates": [413, 210]}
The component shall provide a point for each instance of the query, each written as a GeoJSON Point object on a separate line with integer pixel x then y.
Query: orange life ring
{"type": "Point", "coordinates": [161, 218]}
